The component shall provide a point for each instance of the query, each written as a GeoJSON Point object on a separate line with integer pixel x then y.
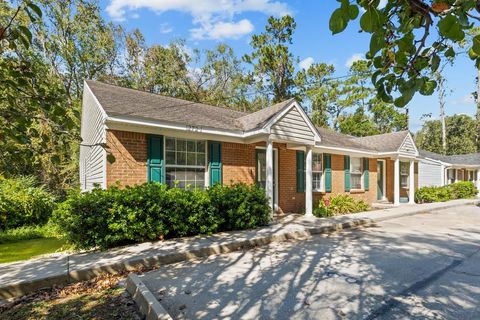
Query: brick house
{"type": "Point", "coordinates": [131, 137]}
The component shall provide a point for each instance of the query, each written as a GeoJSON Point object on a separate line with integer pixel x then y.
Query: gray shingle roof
{"type": "Point", "coordinates": [261, 117]}
{"type": "Point", "coordinates": [388, 142]}
{"type": "Point", "coordinates": [472, 159]}
{"type": "Point", "coordinates": [119, 101]}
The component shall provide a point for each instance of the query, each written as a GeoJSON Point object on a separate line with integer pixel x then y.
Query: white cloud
{"type": "Point", "coordinates": [165, 28]}
{"type": "Point", "coordinates": [306, 63]}
{"type": "Point", "coordinates": [209, 15]}
{"type": "Point", "coordinates": [223, 30]}
{"type": "Point", "coordinates": [466, 100]}
{"type": "Point", "coordinates": [354, 58]}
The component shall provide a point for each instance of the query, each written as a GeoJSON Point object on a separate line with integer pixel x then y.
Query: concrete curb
{"type": "Point", "coordinates": [145, 300]}
{"type": "Point", "coordinates": [13, 290]}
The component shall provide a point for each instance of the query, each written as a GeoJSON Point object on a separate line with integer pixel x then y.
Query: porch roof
{"type": "Point", "coordinates": [472, 159]}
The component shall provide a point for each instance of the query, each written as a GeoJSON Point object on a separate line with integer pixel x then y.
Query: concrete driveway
{"type": "Point", "coordinates": [422, 266]}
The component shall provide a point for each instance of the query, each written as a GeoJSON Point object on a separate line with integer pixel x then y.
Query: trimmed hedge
{"type": "Point", "coordinates": [22, 203]}
{"type": "Point", "coordinates": [152, 211]}
{"type": "Point", "coordinates": [459, 190]}
{"type": "Point", "coordinates": [339, 204]}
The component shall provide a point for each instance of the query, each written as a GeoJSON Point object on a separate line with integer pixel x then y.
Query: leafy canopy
{"type": "Point", "coordinates": [404, 48]}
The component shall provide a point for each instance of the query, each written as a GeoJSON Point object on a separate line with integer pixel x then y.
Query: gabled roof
{"type": "Point", "coordinates": [472, 159]}
{"type": "Point", "coordinates": [387, 142]}
{"type": "Point", "coordinates": [262, 117]}
{"type": "Point", "coordinates": [120, 101]}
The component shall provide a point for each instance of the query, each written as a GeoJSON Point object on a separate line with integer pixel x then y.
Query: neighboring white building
{"type": "Point", "coordinates": [438, 170]}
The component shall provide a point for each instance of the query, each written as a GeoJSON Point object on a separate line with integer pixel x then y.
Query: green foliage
{"type": "Point", "coordinates": [23, 204]}
{"type": "Point", "coordinates": [48, 230]}
{"type": "Point", "coordinates": [151, 211]}
{"type": "Point", "coordinates": [402, 50]}
{"type": "Point", "coordinates": [349, 104]}
{"type": "Point", "coordinates": [461, 135]}
{"type": "Point", "coordinates": [272, 61]}
{"type": "Point", "coordinates": [463, 190]}
{"type": "Point", "coordinates": [338, 205]}
{"type": "Point", "coordinates": [459, 190]}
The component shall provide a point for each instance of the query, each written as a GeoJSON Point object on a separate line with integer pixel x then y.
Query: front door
{"type": "Point", "coordinates": [261, 171]}
{"type": "Point", "coordinates": [380, 176]}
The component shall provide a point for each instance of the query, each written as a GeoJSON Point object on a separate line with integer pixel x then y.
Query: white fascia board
{"type": "Point", "coordinates": [345, 151]}
{"type": "Point", "coordinates": [175, 126]}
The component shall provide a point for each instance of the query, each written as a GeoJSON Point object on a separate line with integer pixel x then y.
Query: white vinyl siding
{"type": "Point", "coordinates": [92, 154]}
{"type": "Point", "coordinates": [408, 146]}
{"type": "Point", "coordinates": [292, 127]}
{"type": "Point", "coordinates": [429, 174]}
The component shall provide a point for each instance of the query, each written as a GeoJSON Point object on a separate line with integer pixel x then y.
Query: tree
{"type": "Point", "coordinates": [272, 61]}
{"type": "Point", "coordinates": [357, 124]}
{"type": "Point", "coordinates": [461, 135]}
{"type": "Point", "coordinates": [404, 49]}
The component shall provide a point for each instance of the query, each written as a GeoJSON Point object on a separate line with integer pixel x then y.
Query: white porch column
{"type": "Point", "coordinates": [269, 173]}
{"type": "Point", "coordinates": [411, 187]}
{"type": "Point", "coordinates": [444, 176]}
{"type": "Point", "coordinates": [396, 183]}
{"type": "Point", "coordinates": [309, 183]}
{"type": "Point", "coordinates": [478, 182]}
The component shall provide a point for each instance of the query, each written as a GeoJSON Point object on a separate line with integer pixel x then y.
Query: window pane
{"type": "Point", "coordinates": [170, 144]}
{"type": "Point", "coordinates": [181, 158]}
{"type": "Point", "coordinates": [191, 145]}
{"type": "Point", "coordinates": [404, 181]}
{"type": "Point", "coordinates": [317, 162]}
{"type": "Point", "coordinates": [317, 181]}
{"type": "Point", "coordinates": [261, 167]}
{"type": "Point", "coordinates": [356, 181]}
{"type": "Point", "coordinates": [181, 145]}
{"type": "Point", "coordinates": [201, 159]}
{"type": "Point", "coordinates": [201, 146]}
{"type": "Point", "coordinates": [191, 159]}
{"type": "Point", "coordinates": [355, 165]}
{"type": "Point", "coordinates": [404, 167]}
{"type": "Point", "coordinates": [170, 157]}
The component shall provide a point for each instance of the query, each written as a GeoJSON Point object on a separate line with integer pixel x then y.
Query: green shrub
{"type": "Point", "coordinates": [458, 190]}
{"type": "Point", "coordinates": [240, 206]}
{"type": "Point", "coordinates": [463, 190]}
{"type": "Point", "coordinates": [23, 204]}
{"type": "Point", "coordinates": [152, 211]}
{"type": "Point", "coordinates": [339, 204]}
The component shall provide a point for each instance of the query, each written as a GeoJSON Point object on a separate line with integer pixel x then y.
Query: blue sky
{"type": "Point", "coordinates": [205, 23]}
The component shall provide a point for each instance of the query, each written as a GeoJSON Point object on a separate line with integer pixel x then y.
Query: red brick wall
{"type": "Point", "coordinates": [130, 152]}
{"type": "Point", "coordinates": [239, 166]}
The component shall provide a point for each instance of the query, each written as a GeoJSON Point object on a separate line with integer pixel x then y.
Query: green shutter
{"type": "Point", "coordinates": [366, 173]}
{"type": "Point", "coordinates": [215, 162]}
{"type": "Point", "coordinates": [327, 163]}
{"type": "Point", "coordinates": [346, 167]}
{"type": "Point", "coordinates": [155, 169]}
{"type": "Point", "coordinates": [300, 171]}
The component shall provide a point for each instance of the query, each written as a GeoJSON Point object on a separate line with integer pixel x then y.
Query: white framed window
{"type": "Point", "coordinates": [185, 162]}
{"type": "Point", "coordinates": [404, 174]}
{"type": "Point", "coordinates": [471, 175]}
{"type": "Point", "coordinates": [451, 176]}
{"type": "Point", "coordinates": [356, 173]}
{"type": "Point", "coordinates": [460, 176]}
{"type": "Point", "coordinates": [317, 172]}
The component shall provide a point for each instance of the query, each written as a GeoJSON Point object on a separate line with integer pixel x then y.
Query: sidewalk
{"type": "Point", "coordinates": [19, 278]}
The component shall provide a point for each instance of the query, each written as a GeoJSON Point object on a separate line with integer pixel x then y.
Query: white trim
{"type": "Point", "coordinates": [294, 104]}
{"type": "Point", "coordinates": [344, 151]}
{"type": "Point", "coordinates": [275, 170]}
{"type": "Point", "coordinates": [105, 164]}
{"type": "Point", "coordinates": [409, 136]}
{"type": "Point", "coordinates": [384, 178]}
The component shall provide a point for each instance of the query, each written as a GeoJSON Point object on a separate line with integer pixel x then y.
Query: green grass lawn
{"type": "Point", "coordinates": [26, 249]}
